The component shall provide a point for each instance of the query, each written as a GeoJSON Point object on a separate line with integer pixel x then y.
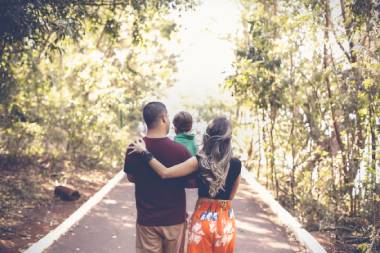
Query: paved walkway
{"type": "Point", "coordinates": [110, 226]}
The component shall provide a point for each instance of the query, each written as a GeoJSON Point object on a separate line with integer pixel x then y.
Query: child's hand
{"type": "Point", "coordinates": [137, 146]}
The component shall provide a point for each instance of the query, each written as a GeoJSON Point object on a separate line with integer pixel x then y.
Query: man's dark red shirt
{"type": "Point", "coordinates": [159, 202]}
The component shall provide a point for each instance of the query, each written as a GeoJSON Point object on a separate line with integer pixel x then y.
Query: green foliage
{"type": "Point", "coordinates": [258, 66]}
{"type": "Point", "coordinates": [80, 98]}
{"type": "Point", "coordinates": [29, 23]}
{"type": "Point", "coordinates": [312, 99]}
{"type": "Point", "coordinates": [41, 25]}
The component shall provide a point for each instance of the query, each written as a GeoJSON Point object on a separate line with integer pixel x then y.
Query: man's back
{"type": "Point", "coordinates": [159, 202]}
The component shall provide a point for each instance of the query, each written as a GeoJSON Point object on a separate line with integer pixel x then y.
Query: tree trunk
{"type": "Point", "coordinates": [274, 179]}
{"type": "Point", "coordinates": [293, 170]}
{"type": "Point", "coordinates": [265, 149]}
{"type": "Point", "coordinates": [259, 149]}
{"type": "Point", "coordinates": [292, 137]}
{"type": "Point", "coordinates": [373, 164]}
{"type": "Point", "coordinates": [346, 171]}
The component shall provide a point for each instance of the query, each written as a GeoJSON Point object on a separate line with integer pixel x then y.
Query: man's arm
{"type": "Point", "coordinates": [191, 180]}
{"type": "Point", "coordinates": [235, 187]}
{"type": "Point", "coordinates": [130, 164]}
{"type": "Point", "coordinates": [131, 178]}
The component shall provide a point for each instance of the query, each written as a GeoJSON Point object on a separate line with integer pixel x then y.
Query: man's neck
{"type": "Point", "coordinates": [155, 133]}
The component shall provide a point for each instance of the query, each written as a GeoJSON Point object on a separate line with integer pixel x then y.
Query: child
{"type": "Point", "coordinates": [183, 123]}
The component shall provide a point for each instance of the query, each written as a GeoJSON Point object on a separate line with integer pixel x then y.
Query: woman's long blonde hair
{"type": "Point", "coordinates": [215, 155]}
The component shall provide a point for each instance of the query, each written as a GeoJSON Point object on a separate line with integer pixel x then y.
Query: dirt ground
{"type": "Point", "coordinates": [29, 209]}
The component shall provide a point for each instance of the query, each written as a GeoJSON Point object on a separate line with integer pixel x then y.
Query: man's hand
{"type": "Point", "coordinates": [191, 183]}
{"type": "Point", "coordinates": [131, 178]}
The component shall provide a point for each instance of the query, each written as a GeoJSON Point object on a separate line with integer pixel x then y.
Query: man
{"type": "Point", "coordinates": [161, 204]}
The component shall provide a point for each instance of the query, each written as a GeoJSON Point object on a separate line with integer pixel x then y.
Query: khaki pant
{"type": "Point", "coordinates": [160, 239]}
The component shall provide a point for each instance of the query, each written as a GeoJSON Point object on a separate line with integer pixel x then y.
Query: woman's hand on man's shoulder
{"type": "Point", "coordinates": [136, 146]}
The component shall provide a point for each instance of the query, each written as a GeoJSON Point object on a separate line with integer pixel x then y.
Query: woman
{"type": "Point", "coordinates": [212, 226]}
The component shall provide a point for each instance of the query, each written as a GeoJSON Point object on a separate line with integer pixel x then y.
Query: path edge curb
{"type": "Point", "coordinates": [303, 236]}
{"type": "Point", "coordinates": [46, 241]}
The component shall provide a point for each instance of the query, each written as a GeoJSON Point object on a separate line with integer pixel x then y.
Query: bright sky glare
{"type": "Point", "coordinates": [206, 53]}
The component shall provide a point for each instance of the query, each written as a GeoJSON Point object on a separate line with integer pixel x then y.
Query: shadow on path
{"type": "Point", "coordinates": [110, 226]}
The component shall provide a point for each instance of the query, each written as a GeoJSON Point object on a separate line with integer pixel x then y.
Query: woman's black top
{"type": "Point", "coordinates": [233, 172]}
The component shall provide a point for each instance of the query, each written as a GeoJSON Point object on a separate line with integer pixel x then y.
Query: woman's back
{"type": "Point", "coordinates": [233, 173]}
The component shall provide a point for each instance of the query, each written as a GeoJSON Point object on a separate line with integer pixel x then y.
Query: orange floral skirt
{"type": "Point", "coordinates": [212, 227]}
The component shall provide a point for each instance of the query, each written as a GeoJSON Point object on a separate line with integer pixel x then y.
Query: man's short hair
{"type": "Point", "coordinates": [183, 122]}
{"type": "Point", "coordinates": [152, 112]}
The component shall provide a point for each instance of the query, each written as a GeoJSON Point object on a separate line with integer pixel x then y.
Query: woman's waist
{"type": "Point", "coordinates": [207, 203]}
